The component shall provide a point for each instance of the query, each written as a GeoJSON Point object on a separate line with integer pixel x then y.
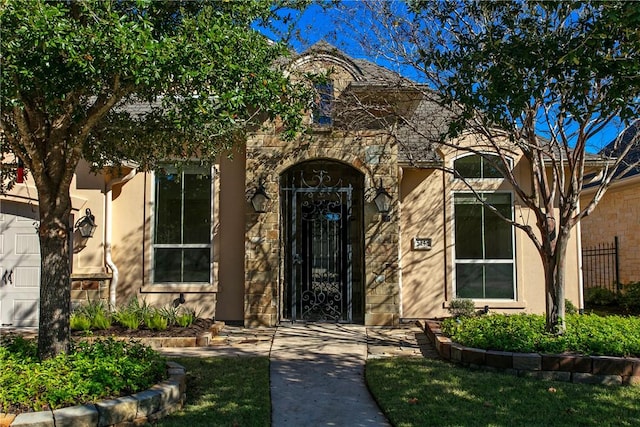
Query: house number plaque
{"type": "Point", "coordinates": [421, 243]}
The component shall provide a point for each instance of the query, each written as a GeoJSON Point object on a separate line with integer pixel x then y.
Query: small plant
{"type": "Point", "coordinates": [186, 317]}
{"type": "Point", "coordinates": [131, 315]}
{"type": "Point", "coordinates": [461, 307]}
{"type": "Point", "coordinates": [156, 321]}
{"type": "Point", "coordinates": [80, 322]}
{"type": "Point", "coordinates": [599, 296]}
{"type": "Point", "coordinates": [170, 313]}
{"type": "Point", "coordinates": [97, 312]}
{"type": "Point", "coordinates": [128, 319]}
{"type": "Point", "coordinates": [101, 321]}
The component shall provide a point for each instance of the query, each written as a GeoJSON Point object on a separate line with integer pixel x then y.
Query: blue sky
{"type": "Point", "coordinates": [317, 23]}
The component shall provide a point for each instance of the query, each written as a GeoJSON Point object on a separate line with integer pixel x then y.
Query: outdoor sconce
{"type": "Point", "coordinates": [383, 202]}
{"type": "Point", "coordinates": [86, 225]}
{"type": "Point", "coordinates": [260, 199]}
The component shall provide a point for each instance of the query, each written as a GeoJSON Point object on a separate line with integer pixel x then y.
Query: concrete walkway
{"type": "Point", "coordinates": [317, 377]}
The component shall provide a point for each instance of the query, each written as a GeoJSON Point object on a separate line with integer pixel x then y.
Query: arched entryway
{"type": "Point", "coordinates": [322, 229]}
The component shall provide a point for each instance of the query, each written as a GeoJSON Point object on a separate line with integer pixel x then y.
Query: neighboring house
{"type": "Point", "coordinates": [320, 248]}
{"type": "Point", "coordinates": [617, 214]}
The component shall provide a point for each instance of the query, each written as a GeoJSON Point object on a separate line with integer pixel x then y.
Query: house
{"type": "Point", "coordinates": [615, 218]}
{"type": "Point", "coordinates": [352, 222]}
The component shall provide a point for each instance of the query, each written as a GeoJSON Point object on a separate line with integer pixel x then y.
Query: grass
{"type": "Point", "coordinates": [427, 392]}
{"type": "Point", "coordinates": [224, 391]}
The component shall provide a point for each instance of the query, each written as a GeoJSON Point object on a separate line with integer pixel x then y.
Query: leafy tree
{"type": "Point", "coordinates": [548, 78]}
{"type": "Point", "coordinates": [138, 80]}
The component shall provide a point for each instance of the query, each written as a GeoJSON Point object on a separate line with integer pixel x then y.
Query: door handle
{"type": "Point", "coordinates": [297, 259]}
{"type": "Point", "coordinates": [7, 278]}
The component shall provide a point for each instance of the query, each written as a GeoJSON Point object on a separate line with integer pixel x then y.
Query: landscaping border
{"type": "Point", "coordinates": [574, 368]}
{"type": "Point", "coordinates": [136, 410]}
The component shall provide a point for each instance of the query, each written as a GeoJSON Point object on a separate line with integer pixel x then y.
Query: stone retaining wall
{"type": "Point", "coordinates": [142, 408]}
{"type": "Point", "coordinates": [559, 367]}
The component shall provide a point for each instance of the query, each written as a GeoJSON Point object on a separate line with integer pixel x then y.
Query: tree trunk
{"type": "Point", "coordinates": [55, 275]}
{"type": "Point", "coordinates": [554, 269]}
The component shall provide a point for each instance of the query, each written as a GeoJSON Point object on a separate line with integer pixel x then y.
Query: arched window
{"type": "Point", "coordinates": [479, 166]}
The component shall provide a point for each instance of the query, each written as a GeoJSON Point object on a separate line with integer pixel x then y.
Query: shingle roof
{"type": "Point", "coordinates": [615, 148]}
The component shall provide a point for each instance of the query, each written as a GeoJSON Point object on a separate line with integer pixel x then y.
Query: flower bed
{"type": "Point", "coordinates": [559, 367]}
{"type": "Point", "coordinates": [138, 409]}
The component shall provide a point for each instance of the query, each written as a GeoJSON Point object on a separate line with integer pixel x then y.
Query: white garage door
{"type": "Point", "coordinates": [19, 264]}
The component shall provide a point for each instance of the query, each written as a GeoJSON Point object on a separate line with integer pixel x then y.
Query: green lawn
{"type": "Point", "coordinates": [224, 392]}
{"type": "Point", "coordinates": [426, 392]}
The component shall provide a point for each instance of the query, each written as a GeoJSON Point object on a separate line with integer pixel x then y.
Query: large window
{"type": "Point", "coordinates": [483, 247]}
{"type": "Point", "coordinates": [182, 227]}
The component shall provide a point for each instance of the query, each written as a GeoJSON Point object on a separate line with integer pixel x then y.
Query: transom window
{"type": "Point", "coordinates": [483, 247]}
{"type": "Point", "coordinates": [479, 166]}
{"type": "Point", "coordinates": [182, 227]}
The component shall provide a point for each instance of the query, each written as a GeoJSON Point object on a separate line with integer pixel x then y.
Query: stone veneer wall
{"type": "Point", "coordinates": [372, 153]}
{"type": "Point", "coordinates": [89, 288]}
{"type": "Point", "coordinates": [558, 367]}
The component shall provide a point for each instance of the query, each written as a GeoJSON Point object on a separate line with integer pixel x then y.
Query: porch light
{"type": "Point", "coordinates": [260, 199]}
{"type": "Point", "coordinates": [383, 202]}
{"type": "Point", "coordinates": [86, 225]}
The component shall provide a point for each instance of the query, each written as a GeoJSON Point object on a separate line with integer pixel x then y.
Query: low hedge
{"type": "Point", "coordinates": [525, 333]}
{"type": "Point", "coordinates": [89, 373]}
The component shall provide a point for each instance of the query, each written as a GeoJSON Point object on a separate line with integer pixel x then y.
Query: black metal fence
{"type": "Point", "coordinates": [600, 266]}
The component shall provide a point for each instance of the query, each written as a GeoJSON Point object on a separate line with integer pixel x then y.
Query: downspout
{"type": "Point", "coordinates": [580, 266]}
{"type": "Point", "coordinates": [108, 232]}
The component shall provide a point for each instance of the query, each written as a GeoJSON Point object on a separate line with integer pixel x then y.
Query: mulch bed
{"type": "Point", "coordinates": [199, 327]}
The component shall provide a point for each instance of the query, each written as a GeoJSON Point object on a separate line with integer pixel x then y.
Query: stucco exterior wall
{"type": "Point", "coordinates": [617, 214]}
{"type": "Point", "coordinates": [133, 207]}
{"type": "Point", "coordinates": [428, 277]}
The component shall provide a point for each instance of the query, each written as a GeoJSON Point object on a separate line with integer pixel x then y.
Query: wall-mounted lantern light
{"type": "Point", "coordinates": [86, 225]}
{"type": "Point", "coordinates": [383, 202]}
{"type": "Point", "coordinates": [260, 199]}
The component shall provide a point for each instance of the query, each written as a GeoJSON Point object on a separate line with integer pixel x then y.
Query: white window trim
{"type": "Point", "coordinates": [513, 260]}
{"type": "Point", "coordinates": [150, 286]}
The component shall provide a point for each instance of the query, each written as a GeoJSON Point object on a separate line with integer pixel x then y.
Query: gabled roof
{"type": "Point", "coordinates": [424, 120]}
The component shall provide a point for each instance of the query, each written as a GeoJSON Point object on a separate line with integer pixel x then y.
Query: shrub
{"type": "Point", "coordinates": [80, 322]}
{"type": "Point", "coordinates": [90, 372]}
{"type": "Point", "coordinates": [461, 307]}
{"type": "Point", "coordinates": [525, 333]}
{"type": "Point", "coordinates": [599, 296]}
{"type": "Point", "coordinates": [630, 298]}
{"type": "Point", "coordinates": [569, 307]}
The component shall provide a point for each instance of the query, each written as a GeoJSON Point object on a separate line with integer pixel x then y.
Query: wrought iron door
{"type": "Point", "coordinates": [321, 251]}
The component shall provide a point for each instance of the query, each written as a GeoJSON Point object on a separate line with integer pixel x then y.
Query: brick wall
{"type": "Point", "coordinates": [617, 214]}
